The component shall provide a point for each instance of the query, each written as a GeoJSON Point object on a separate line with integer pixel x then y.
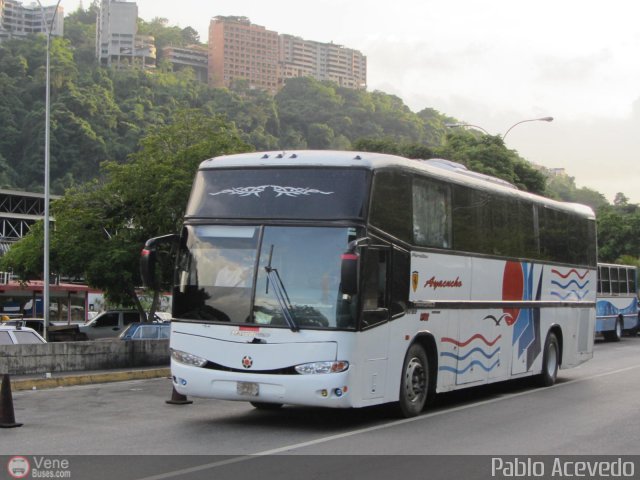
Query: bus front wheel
{"type": "Point", "coordinates": [414, 386]}
{"type": "Point", "coordinates": [550, 361]}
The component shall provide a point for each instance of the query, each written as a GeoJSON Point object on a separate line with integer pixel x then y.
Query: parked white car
{"type": "Point", "coordinates": [12, 335]}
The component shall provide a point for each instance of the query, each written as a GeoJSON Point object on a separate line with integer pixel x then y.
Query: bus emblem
{"type": "Point", "coordinates": [415, 276]}
{"type": "Point", "coordinates": [247, 361]}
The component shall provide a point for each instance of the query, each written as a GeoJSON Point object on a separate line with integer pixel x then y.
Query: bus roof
{"type": "Point", "coordinates": [620, 265]}
{"type": "Point", "coordinates": [437, 168]}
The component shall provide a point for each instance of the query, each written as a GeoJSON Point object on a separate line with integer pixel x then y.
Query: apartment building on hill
{"type": "Point", "coordinates": [192, 56]}
{"type": "Point", "coordinates": [322, 61]}
{"type": "Point", "coordinates": [239, 49]}
{"type": "Point", "coordinates": [18, 20]}
{"type": "Point", "coordinates": [117, 41]}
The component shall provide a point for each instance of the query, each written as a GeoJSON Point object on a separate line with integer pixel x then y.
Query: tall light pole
{"type": "Point", "coordinates": [47, 194]}
{"type": "Point", "coordinates": [456, 125]}
{"type": "Point", "coordinates": [542, 119]}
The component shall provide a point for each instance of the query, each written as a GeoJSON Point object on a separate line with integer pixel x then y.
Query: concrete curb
{"type": "Point", "coordinates": [87, 378]}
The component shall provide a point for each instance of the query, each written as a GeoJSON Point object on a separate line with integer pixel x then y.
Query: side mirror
{"type": "Point", "coordinates": [349, 269]}
{"type": "Point", "coordinates": [149, 260]}
{"type": "Point", "coordinates": [350, 266]}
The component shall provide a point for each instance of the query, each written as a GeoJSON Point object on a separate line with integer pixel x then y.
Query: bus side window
{"type": "Point", "coordinates": [374, 288]}
{"type": "Point", "coordinates": [606, 284]}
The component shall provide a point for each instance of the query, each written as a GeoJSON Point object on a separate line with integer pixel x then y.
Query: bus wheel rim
{"type": "Point", "coordinates": [552, 361]}
{"type": "Point", "coordinates": [416, 380]}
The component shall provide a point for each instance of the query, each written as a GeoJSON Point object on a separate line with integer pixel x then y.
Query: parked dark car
{"type": "Point", "coordinates": [146, 331]}
{"type": "Point", "coordinates": [110, 324]}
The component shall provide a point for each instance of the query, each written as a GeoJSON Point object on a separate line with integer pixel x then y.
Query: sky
{"type": "Point", "coordinates": [489, 63]}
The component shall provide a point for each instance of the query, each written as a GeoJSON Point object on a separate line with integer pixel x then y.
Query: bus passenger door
{"type": "Point", "coordinates": [375, 322]}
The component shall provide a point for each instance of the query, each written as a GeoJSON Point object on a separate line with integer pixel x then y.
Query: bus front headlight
{"type": "Point", "coordinates": [187, 358]}
{"type": "Point", "coordinates": [322, 367]}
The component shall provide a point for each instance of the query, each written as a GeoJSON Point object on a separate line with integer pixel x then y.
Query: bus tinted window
{"type": "Point", "coordinates": [391, 204]}
{"type": "Point", "coordinates": [427, 212]}
{"type": "Point", "coordinates": [283, 193]}
{"type": "Point", "coordinates": [431, 214]}
{"type": "Point", "coordinates": [492, 224]}
{"type": "Point", "coordinates": [553, 234]}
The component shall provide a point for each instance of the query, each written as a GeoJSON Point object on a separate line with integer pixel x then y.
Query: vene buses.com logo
{"type": "Point", "coordinates": [18, 467]}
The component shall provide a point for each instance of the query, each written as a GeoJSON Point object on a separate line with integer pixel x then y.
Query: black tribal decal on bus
{"type": "Point", "coordinates": [287, 191]}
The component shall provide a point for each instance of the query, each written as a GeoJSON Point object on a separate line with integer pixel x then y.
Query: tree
{"type": "Point", "coordinates": [618, 232]}
{"type": "Point", "coordinates": [487, 154]}
{"type": "Point", "coordinates": [26, 257]}
{"type": "Point", "coordinates": [190, 36]}
{"type": "Point", "coordinates": [484, 154]}
{"type": "Point", "coordinates": [101, 226]}
{"type": "Point", "coordinates": [563, 187]}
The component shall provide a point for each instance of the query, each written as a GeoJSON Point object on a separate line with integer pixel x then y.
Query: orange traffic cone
{"type": "Point", "coordinates": [178, 398]}
{"type": "Point", "coordinates": [7, 417]}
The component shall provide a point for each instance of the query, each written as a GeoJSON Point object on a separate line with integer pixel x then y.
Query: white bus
{"type": "Point", "coordinates": [343, 279]}
{"type": "Point", "coordinates": [617, 301]}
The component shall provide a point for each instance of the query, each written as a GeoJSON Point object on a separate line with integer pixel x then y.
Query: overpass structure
{"type": "Point", "coordinates": [18, 212]}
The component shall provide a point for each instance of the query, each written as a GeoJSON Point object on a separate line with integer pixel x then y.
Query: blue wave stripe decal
{"type": "Point", "coordinates": [464, 370]}
{"type": "Point", "coordinates": [469, 353]}
{"type": "Point", "coordinates": [571, 282]}
{"type": "Point", "coordinates": [604, 307]}
{"type": "Point", "coordinates": [579, 295]}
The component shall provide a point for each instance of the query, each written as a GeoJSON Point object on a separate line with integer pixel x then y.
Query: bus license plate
{"type": "Point", "coordinates": [248, 388]}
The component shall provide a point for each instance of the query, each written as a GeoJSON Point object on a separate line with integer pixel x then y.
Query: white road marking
{"type": "Point", "coordinates": [275, 451]}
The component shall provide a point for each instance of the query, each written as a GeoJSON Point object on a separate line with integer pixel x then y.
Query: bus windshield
{"type": "Point", "coordinates": [271, 276]}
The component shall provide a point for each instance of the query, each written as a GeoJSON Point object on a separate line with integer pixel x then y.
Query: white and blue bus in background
{"type": "Point", "coordinates": [617, 301]}
{"type": "Point", "coordinates": [345, 279]}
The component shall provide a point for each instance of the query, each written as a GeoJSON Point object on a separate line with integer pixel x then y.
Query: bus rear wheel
{"type": "Point", "coordinates": [615, 335]}
{"type": "Point", "coordinates": [415, 383]}
{"type": "Point", "coordinates": [550, 361]}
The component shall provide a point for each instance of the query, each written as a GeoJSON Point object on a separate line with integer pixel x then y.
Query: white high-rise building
{"type": "Point", "coordinates": [323, 61]}
{"type": "Point", "coordinates": [116, 29]}
{"type": "Point", "coordinates": [18, 20]}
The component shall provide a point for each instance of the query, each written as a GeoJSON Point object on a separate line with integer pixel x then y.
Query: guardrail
{"type": "Point", "coordinates": [82, 356]}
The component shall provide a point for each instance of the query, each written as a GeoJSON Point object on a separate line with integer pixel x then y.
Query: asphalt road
{"type": "Point", "coordinates": [592, 410]}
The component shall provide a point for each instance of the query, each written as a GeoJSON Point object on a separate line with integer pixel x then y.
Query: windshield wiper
{"type": "Point", "coordinates": [280, 293]}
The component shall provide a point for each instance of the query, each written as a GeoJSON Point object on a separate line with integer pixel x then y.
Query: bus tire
{"type": "Point", "coordinates": [415, 383]}
{"type": "Point", "coordinates": [550, 361]}
{"type": "Point", "coordinates": [266, 406]}
{"type": "Point", "coordinates": [614, 335]}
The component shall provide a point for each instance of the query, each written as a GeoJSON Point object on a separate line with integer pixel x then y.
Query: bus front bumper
{"type": "Point", "coordinates": [321, 390]}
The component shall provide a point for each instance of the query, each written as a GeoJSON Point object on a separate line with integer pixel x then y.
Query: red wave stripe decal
{"type": "Point", "coordinates": [573, 270]}
{"type": "Point", "coordinates": [467, 342]}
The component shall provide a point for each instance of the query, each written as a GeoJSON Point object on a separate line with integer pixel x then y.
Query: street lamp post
{"type": "Point", "coordinates": [456, 125]}
{"type": "Point", "coordinates": [47, 194]}
{"type": "Point", "coordinates": [542, 119]}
